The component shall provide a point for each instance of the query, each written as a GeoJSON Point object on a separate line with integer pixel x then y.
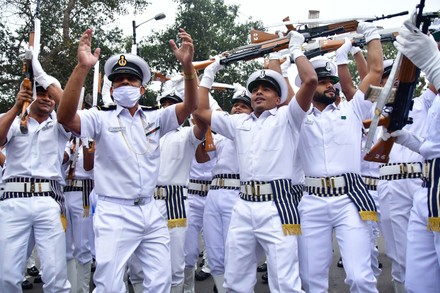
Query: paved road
{"type": "Point", "coordinates": [337, 276]}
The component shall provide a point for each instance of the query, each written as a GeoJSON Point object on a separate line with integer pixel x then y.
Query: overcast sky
{"type": "Point", "coordinates": [273, 11]}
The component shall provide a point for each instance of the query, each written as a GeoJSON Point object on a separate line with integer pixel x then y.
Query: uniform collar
{"type": "Point", "coordinates": [119, 109]}
{"type": "Point", "coordinates": [266, 113]}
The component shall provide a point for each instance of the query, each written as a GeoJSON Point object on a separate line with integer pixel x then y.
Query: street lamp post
{"type": "Point", "coordinates": [134, 49]}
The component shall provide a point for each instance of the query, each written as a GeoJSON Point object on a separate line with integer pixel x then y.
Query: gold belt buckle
{"type": "Point", "coordinates": [403, 169]}
{"type": "Point", "coordinates": [32, 187]}
{"type": "Point", "coordinates": [221, 182]}
{"type": "Point", "coordinates": [328, 182]}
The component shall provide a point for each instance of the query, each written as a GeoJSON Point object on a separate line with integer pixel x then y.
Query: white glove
{"type": "Point", "coordinates": [210, 72]}
{"type": "Point", "coordinates": [407, 139]}
{"type": "Point", "coordinates": [369, 31]}
{"type": "Point", "coordinates": [285, 67]}
{"type": "Point", "coordinates": [342, 53]}
{"type": "Point", "coordinates": [385, 135]}
{"type": "Point", "coordinates": [354, 50]}
{"type": "Point", "coordinates": [274, 56]}
{"type": "Point", "coordinates": [238, 87]}
{"type": "Point", "coordinates": [85, 142]}
{"type": "Point", "coordinates": [41, 77]}
{"type": "Point", "coordinates": [295, 43]}
{"type": "Point", "coordinates": [421, 50]}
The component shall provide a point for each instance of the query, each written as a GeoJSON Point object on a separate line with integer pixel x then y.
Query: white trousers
{"type": "Point", "coordinates": [319, 217]}
{"type": "Point", "coordinates": [120, 231]}
{"type": "Point", "coordinates": [177, 240]}
{"type": "Point", "coordinates": [216, 219]}
{"type": "Point", "coordinates": [256, 227]}
{"type": "Point", "coordinates": [396, 201]}
{"type": "Point", "coordinates": [423, 249]}
{"type": "Point", "coordinates": [194, 213]}
{"type": "Point", "coordinates": [78, 234]}
{"type": "Point", "coordinates": [18, 217]}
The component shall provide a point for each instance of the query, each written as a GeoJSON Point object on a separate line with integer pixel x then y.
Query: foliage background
{"type": "Point", "coordinates": [212, 24]}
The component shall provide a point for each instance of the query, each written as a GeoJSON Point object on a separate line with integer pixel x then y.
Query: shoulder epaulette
{"type": "Point", "coordinates": [149, 108]}
{"type": "Point", "coordinates": [108, 107]}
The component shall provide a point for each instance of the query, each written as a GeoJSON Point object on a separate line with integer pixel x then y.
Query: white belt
{"type": "Point", "coordinates": [225, 182]}
{"type": "Point", "coordinates": [425, 169]}
{"type": "Point", "coordinates": [198, 186]}
{"type": "Point", "coordinates": [74, 183]}
{"type": "Point", "coordinates": [325, 182]}
{"type": "Point", "coordinates": [370, 181]}
{"type": "Point", "coordinates": [256, 189]}
{"type": "Point", "coordinates": [27, 187]}
{"type": "Point", "coordinates": [129, 202]}
{"type": "Point", "coordinates": [404, 168]}
{"type": "Point", "coordinates": [160, 192]}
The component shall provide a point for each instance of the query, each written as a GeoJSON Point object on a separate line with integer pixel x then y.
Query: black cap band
{"type": "Point", "coordinates": [265, 79]}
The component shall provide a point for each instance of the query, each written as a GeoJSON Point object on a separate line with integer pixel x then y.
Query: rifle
{"type": "Point", "coordinates": [399, 116]}
{"type": "Point", "coordinates": [34, 42]}
{"type": "Point", "coordinates": [336, 27]}
{"type": "Point", "coordinates": [257, 50]}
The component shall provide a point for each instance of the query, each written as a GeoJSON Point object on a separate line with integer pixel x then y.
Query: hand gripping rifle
{"type": "Point", "coordinates": [263, 43]}
{"type": "Point", "coordinates": [34, 42]}
{"type": "Point", "coordinates": [408, 76]}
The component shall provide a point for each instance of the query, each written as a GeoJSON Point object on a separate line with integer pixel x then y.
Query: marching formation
{"type": "Point", "coordinates": [130, 188]}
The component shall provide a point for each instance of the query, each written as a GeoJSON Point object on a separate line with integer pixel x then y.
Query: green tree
{"type": "Point", "coordinates": [213, 27]}
{"type": "Point", "coordinates": [62, 23]}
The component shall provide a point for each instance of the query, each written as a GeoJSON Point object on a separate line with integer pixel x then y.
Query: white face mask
{"type": "Point", "coordinates": [126, 96]}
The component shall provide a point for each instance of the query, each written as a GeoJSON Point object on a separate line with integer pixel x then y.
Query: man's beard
{"type": "Point", "coordinates": [323, 99]}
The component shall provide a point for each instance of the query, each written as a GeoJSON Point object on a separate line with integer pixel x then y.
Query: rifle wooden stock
{"type": "Point", "coordinates": [289, 27]}
{"type": "Point", "coordinates": [209, 141]}
{"type": "Point", "coordinates": [27, 84]}
{"type": "Point", "coordinates": [198, 65]}
{"type": "Point", "coordinates": [398, 118]}
{"type": "Point", "coordinates": [380, 152]}
{"type": "Point", "coordinates": [383, 121]}
{"type": "Point", "coordinates": [160, 77]}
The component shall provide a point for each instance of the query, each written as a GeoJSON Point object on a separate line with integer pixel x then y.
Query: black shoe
{"type": "Point", "coordinates": [215, 289]}
{"type": "Point", "coordinates": [201, 276]}
{"type": "Point", "coordinates": [262, 268]}
{"type": "Point", "coordinates": [38, 280]}
{"type": "Point", "coordinates": [265, 278]}
{"type": "Point", "coordinates": [33, 271]}
{"type": "Point", "coordinates": [340, 264]}
{"type": "Point", "coordinates": [26, 285]}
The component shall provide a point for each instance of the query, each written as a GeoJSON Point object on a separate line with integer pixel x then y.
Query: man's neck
{"type": "Point", "coordinates": [40, 118]}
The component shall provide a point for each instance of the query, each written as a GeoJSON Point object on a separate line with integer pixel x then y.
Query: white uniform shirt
{"type": "Point", "coordinates": [224, 156]}
{"type": "Point", "coordinates": [422, 104]}
{"type": "Point", "coordinates": [177, 150]}
{"type": "Point", "coordinates": [330, 142]}
{"type": "Point", "coordinates": [126, 148]}
{"type": "Point", "coordinates": [430, 148]}
{"type": "Point", "coordinates": [37, 154]}
{"type": "Point", "coordinates": [266, 145]}
{"type": "Point", "coordinates": [201, 171]}
{"type": "Point", "coordinates": [80, 173]}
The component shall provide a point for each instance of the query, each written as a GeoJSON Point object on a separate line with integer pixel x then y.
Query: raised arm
{"type": "Point", "coordinates": [374, 57]}
{"type": "Point", "coordinates": [49, 83]}
{"type": "Point", "coordinates": [306, 71]}
{"type": "Point", "coordinates": [24, 95]}
{"type": "Point", "coordinates": [66, 113]}
{"type": "Point", "coordinates": [204, 112]}
{"type": "Point", "coordinates": [185, 55]}
{"type": "Point", "coordinates": [275, 59]}
{"type": "Point", "coordinates": [345, 78]}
